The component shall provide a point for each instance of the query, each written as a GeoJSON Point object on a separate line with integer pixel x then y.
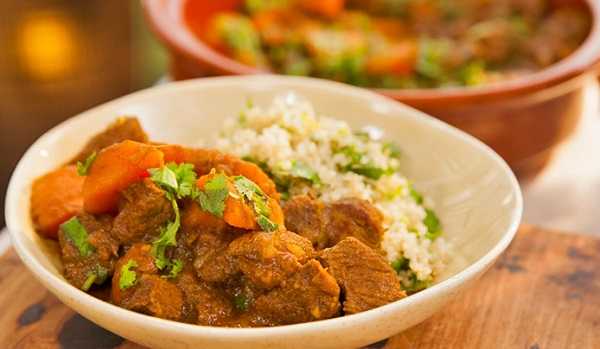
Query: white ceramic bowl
{"type": "Point", "coordinates": [476, 195]}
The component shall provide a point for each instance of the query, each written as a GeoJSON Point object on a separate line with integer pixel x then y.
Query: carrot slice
{"type": "Point", "coordinates": [327, 8]}
{"type": "Point", "coordinates": [55, 198]}
{"type": "Point", "coordinates": [237, 212]}
{"type": "Point", "coordinates": [205, 160]}
{"type": "Point", "coordinates": [114, 169]}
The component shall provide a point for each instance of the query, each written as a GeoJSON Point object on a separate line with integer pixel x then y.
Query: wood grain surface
{"type": "Point", "coordinates": [544, 292]}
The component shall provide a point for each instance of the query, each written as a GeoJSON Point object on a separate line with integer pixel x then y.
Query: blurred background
{"type": "Point", "coordinates": [61, 57]}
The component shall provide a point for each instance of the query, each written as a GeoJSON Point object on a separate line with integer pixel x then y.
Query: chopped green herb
{"type": "Point", "coordinates": [84, 167]}
{"type": "Point", "coordinates": [241, 302]}
{"type": "Point", "coordinates": [128, 276]}
{"type": "Point", "coordinates": [186, 179]}
{"type": "Point", "coordinates": [266, 224]}
{"type": "Point", "coordinates": [392, 149]}
{"type": "Point", "coordinates": [364, 135]}
{"type": "Point", "coordinates": [178, 180]}
{"type": "Point", "coordinates": [432, 222]}
{"type": "Point", "coordinates": [166, 238]}
{"type": "Point", "coordinates": [430, 60]}
{"type": "Point", "coordinates": [76, 233]}
{"type": "Point", "coordinates": [301, 170]}
{"type": "Point", "coordinates": [414, 284]}
{"type": "Point", "coordinates": [253, 194]}
{"type": "Point", "coordinates": [97, 276]}
{"type": "Point", "coordinates": [165, 178]}
{"type": "Point", "coordinates": [416, 195]}
{"type": "Point", "coordinates": [400, 264]}
{"type": "Point", "coordinates": [368, 171]}
{"type": "Point", "coordinates": [89, 281]}
{"type": "Point", "coordinates": [351, 153]}
{"type": "Point", "coordinates": [212, 198]}
{"type": "Point", "coordinates": [357, 166]}
{"type": "Point", "coordinates": [176, 267]}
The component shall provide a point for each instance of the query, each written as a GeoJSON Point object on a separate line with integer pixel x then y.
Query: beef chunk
{"type": "Point", "coordinates": [150, 293]}
{"type": "Point", "coordinates": [144, 210]}
{"type": "Point", "coordinates": [269, 258]}
{"type": "Point", "coordinates": [154, 295]}
{"type": "Point", "coordinates": [310, 294]}
{"type": "Point", "coordinates": [125, 128]}
{"type": "Point", "coordinates": [100, 263]}
{"type": "Point", "coordinates": [327, 224]}
{"type": "Point", "coordinates": [208, 237]}
{"type": "Point", "coordinates": [210, 305]}
{"type": "Point", "coordinates": [366, 278]}
{"type": "Point", "coordinates": [356, 218]}
{"type": "Point", "coordinates": [306, 217]}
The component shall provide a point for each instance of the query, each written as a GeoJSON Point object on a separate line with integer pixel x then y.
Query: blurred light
{"type": "Point", "coordinates": [47, 45]}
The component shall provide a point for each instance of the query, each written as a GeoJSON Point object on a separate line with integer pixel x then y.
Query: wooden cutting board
{"type": "Point", "coordinates": [544, 292]}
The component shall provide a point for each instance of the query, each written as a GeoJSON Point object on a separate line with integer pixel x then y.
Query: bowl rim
{"type": "Point", "coordinates": [166, 21]}
{"type": "Point", "coordinates": [61, 287]}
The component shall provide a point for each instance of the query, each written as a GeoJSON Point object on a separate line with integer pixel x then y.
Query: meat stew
{"type": "Point", "coordinates": [198, 236]}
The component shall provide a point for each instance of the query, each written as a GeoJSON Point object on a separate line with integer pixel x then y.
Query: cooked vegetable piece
{"type": "Point", "coordinates": [204, 160]}
{"type": "Point", "coordinates": [166, 239]}
{"type": "Point", "coordinates": [128, 275]}
{"type": "Point", "coordinates": [56, 197]}
{"type": "Point", "coordinates": [114, 169]}
{"type": "Point", "coordinates": [260, 202]}
{"type": "Point", "coordinates": [215, 198]}
{"type": "Point", "coordinates": [327, 8]}
{"type": "Point", "coordinates": [236, 35]}
{"type": "Point", "coordinates": [77, 234]}
{"type": "Point", "coordinates": [84, 167]}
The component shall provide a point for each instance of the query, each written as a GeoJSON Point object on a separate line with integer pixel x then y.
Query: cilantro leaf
{"type": "Point", "coordinates": [356, 165]}
{"type": "Point", "coordinates": [252, 193]}
{"type": "Point", "coordinates": [266, 224]}
{"type": "Point", "coordinates": [392, 149]}
{"type": "Point", "coordinates": [432, 222]}
{"type": "Point", "coordinates": [186, 179]}
{"type": "Point", "coordinates": [413, 284]}
{"type": "Point", "coordinates": [166, 238]}
{"type": "Point", "coordinates": [178, 180]}
{"type": "Point", "coordinates": [97, 276]}
{"type": "Point", "coordinates": [84, 167]}
{"type": "Point", "coordinates": [76, 233]}
{"type": "Point", "coordinates": [212, 198]}
{"type": "Point", "coordinates": [367, 170]}
{"type": "Point", "coordinates": [176, 267]}
{"type": "Point", "coordinates": [241, 302]}
{"type": "Point", "coordinates": [400, 264]}
{"type": "Point", "coordinates": [91, 278]}
{"type": "Point", "coordinates": [165, 178]}
{"type": "Point", "coordinates": [416, 195]}
{"type": "Point", "coordinates": [128, 276]}
{"type": "Point", "coordinates": [301, 170]}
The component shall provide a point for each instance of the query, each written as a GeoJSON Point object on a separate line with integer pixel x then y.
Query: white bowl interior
{"type": "Point", "coordinates": [475, 194]}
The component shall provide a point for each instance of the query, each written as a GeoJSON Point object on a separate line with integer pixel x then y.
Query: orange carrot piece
{"type": "Point", "coordinates": [399, 59]}
{"type": "Point", "coordinates": [114, 169]}
{"type": "Point", "coordinates": [55, 198]}
{"type": "Point", "coordinates": [204, 160]}
{"type": "Point", "coordinates": [327, 8]}
{"type": "Point", "coordinates": [236, 213]}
